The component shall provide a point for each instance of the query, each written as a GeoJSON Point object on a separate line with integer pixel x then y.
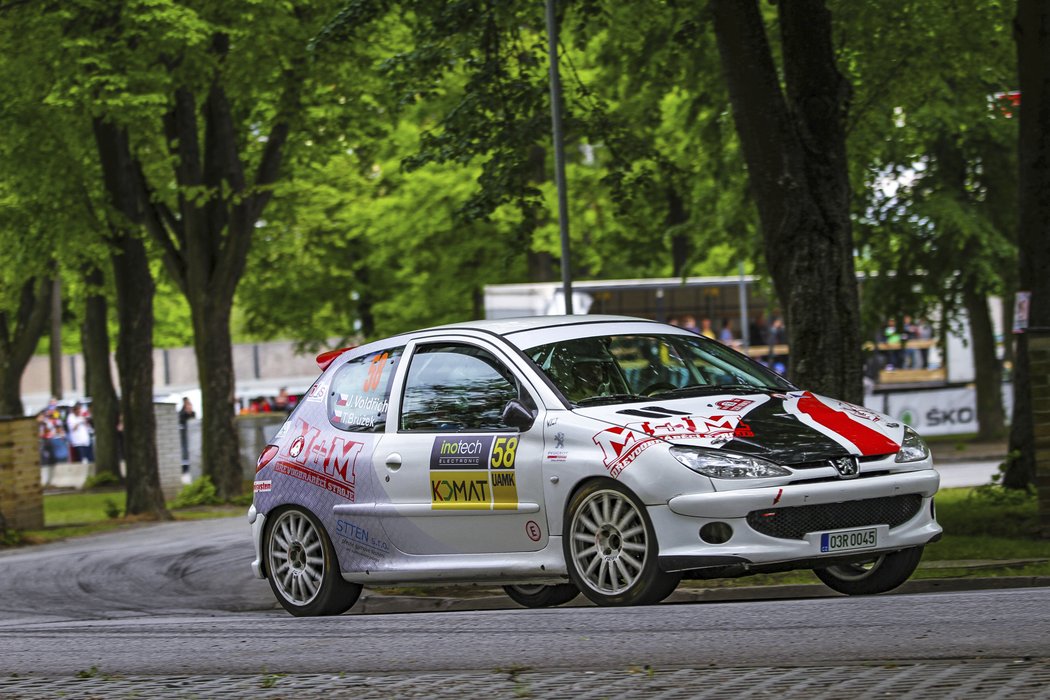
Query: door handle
{"type": "Point", "coordinates": [393, 461]}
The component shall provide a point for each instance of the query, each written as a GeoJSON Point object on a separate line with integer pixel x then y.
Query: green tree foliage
{"type": "Point", "coordinates": [934, 155]}
{"type": "Point", "coordinates": [210, 99]}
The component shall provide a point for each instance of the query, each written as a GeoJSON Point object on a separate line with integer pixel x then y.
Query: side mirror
{"type": "Point", "coordinates": [515, 415]}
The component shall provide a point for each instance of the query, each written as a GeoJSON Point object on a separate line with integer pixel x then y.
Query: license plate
{"type": "Point", "coordinates": [849, 539]}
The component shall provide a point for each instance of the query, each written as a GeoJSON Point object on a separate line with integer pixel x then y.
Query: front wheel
{"type": "Point", "coordinates": [542, 596]}
{"type": "Point", "coordinates": [302, 568]}
{"type": "Point", "coordinates": [611, 548]}
{"type": "Point", "coordinates": [877, 575]}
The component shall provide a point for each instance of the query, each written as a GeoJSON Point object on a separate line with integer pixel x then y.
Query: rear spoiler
{"type": "Point", "coordinates": [327, 357]}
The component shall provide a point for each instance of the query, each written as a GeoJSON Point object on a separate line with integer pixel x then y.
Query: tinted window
{"type": "Point", "coordinates": [456, 387]}
{"type": "Point", "coordinates": [361, 392]}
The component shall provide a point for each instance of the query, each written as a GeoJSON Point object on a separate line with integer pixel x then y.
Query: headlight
{"type": "Point", "coordinates": [725, 465]}
{"type": "Point", "coordinates": [913, 449]}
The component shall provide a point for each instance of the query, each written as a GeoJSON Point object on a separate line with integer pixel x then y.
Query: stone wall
{"type": "Point", "coordinates": [169, 451]}
{"type": "Point", "coordinates": [1039, 374]}
{"type": "Point", "coordinates": [21, 496]}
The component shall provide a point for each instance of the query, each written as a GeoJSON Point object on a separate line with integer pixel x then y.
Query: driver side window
{"type": "Point", "coordinates": [455, 387]}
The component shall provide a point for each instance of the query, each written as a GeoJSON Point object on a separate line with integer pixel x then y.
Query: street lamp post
{"type": "Point", "coordinates": [559, 155]}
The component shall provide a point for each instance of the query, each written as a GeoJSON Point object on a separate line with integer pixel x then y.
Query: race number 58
{"type": "Point", "coordinates": [503, 453]}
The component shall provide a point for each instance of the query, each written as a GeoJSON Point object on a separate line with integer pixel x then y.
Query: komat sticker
{"type": "Point", "coordinates": [474, 472]}
{"type": "Point", "coordinates": [460, 490]}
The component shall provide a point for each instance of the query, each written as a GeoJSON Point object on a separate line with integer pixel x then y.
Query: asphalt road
{"type": "Point", "coordinates": [958, 474]}
{"type": "Point", "coordinates": [179, 598]}
{"type": "Point", "coordinates": [1004, 624]}
{"type": "Point", "coordinates": [171, 610]}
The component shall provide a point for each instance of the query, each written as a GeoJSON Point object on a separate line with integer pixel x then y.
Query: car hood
{"type": "Point", "coordinates": [788, 428]}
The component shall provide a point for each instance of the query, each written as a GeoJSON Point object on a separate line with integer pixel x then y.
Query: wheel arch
{"type": "Point", "coordinates": [580, 484]}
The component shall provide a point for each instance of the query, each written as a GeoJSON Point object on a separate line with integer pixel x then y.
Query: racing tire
{"type": "Point", "coordinates": [611, 548]}
{"type": "Point", "coordinates": [542, 596]}
{"type": "Point", "coordinates": [878, 575]}
{"type": "Point", "coordinates": [302, 567]}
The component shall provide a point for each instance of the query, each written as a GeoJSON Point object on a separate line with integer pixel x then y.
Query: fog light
{"type": "Point", "coordinates": [716, 533]}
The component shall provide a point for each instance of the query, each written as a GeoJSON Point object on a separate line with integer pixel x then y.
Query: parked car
{"type": "Point", "coordinates": [611, 456]}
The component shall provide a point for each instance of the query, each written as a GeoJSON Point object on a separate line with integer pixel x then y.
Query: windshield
{"type": "Point", "coordinates": [625, 368]}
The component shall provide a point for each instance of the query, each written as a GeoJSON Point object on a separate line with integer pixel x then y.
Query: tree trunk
{"type": "Point", "coordinates": [1031, 421]}
{"type": "Point", "coordinates": [991, 419]}
{"type": "Point", "coordinates": [205, 242]}
{"type": "Point", "coordinates": [19, 335]}
{"type": "Point", "coordinates": [795, 150]}
{"type": "Point", "coordinates": [1032, 383]}
{"type": "Point", "coordinates": [10, 389]}
{"type": "Point", "coordinates": [94, 336]}
{"type": "Point", "coordinates": [55, 349]}
{"type": "Point", "coordinates": [134, 284]}
{"type": "Point", "coordinates": [1020, 459]}
{"type": "Point", "coordinates": [680, 247]}
{"type": "Point", "coordinates": [135, 363]}
{"type": "Point", "coordinates": [951, 168]}
{"type": "Point", "coordinates": [220, 455]}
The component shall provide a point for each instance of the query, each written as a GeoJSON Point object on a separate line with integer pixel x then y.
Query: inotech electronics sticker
{"type": "Point", "coordinates": [474, 472]}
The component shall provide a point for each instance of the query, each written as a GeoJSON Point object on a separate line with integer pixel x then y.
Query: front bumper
{"type": "Point", "coordinates": [678, 524]}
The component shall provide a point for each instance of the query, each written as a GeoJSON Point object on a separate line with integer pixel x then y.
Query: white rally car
{"type": "Point", "coordinates": [555, 455]}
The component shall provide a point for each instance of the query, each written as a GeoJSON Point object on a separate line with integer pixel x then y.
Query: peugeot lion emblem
{"type": "Point", "coordinates": [847, 467]}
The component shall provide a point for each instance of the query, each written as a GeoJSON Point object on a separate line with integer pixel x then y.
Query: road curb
{"type": "Point", "coordinates": [376, 603]}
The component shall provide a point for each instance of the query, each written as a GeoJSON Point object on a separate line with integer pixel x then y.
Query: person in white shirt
{"type": "Point", "coordinates": [78, 425]}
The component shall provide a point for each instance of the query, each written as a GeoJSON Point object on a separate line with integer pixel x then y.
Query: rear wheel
{"type": "Point", "coordinates": [876, 575]}
{"type": "Point", "coordinates": [611, 548]}
{"type": "Point", "coordinates": [542, 596]}
{"type": "Point", "coordinates": [302, 568]}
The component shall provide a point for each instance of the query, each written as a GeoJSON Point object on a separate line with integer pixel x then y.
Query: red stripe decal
{"type": "Point", "coordinates": [868, 441]}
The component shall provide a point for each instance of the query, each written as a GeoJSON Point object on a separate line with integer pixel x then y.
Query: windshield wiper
{"type": "Point", "coordinates": [707, 389]}
{"type": "Point", "coordinates": [610, 398]}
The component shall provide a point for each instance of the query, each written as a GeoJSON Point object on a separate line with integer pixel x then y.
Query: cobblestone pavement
{"type": "Point", "coordinates": [1020, 679]}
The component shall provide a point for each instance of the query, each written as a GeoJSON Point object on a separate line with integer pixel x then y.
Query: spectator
{"type": "Point", "coordinates": [281, 402]}
{"type": "Point", "coordinates": [689, 323]}
{"type": "Point", "coordinates": [757, 329]}
{"type": "Point", "coordinates": [53, 445]}
{"type": "Point", "coordinates": [706, 330]}
{"type": "Point", "coordinates": [186, 413]}
{"type": "Point", "coordinates": [777, 335]}
{"type": "Point", "coordinates": [78, 423]}
{"type": "Point", "coordinates": [923, 332]}
{"type": "Point", "coordinates": [892, 337]}
{"type": "Point", "coordinates": [726, 335]}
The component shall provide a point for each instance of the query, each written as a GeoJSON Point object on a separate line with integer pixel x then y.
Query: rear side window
{"type": "Point", "coordinates": [361, 392]}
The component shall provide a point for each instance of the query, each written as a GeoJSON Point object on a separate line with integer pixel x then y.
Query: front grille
{"type": "Point", "coordinates": [821, 463]}
{"type": "Point", "coordinates": [793, 522]}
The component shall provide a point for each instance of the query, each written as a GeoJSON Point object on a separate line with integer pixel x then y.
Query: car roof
{"type": "Point", "coordinates": [508, 326]}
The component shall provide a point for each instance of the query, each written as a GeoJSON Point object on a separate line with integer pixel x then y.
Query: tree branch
{"type": "Point", "coordinates": [34, 310]}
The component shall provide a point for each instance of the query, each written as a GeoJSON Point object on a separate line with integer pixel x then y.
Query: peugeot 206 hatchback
{"type": "Point", "coordinates": [605, 455]}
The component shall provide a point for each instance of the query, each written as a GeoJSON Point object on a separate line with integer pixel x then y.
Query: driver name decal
{"type": "Point", "coordinates": [490, 483]}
